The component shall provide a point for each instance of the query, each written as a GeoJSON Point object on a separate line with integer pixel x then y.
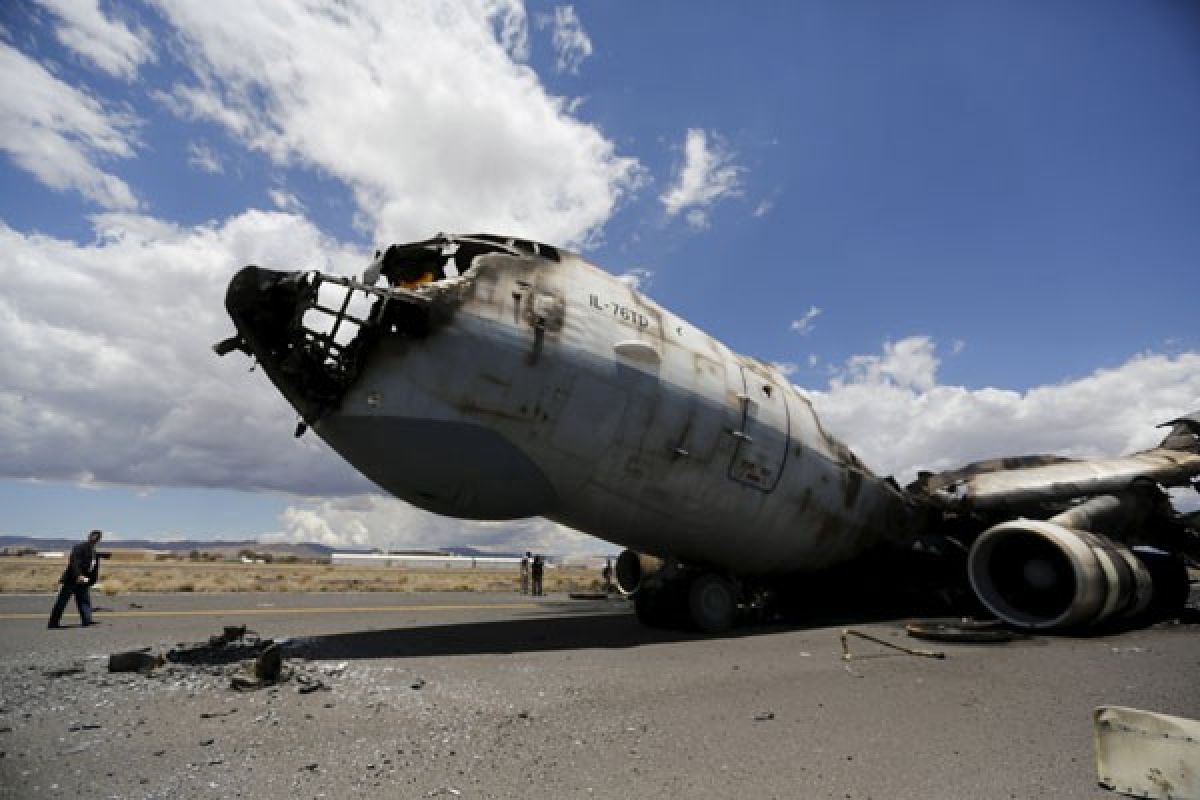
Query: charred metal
{"type": "Point", "coordinates": [312, 332]}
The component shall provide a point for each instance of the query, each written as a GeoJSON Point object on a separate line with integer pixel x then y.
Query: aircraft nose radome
{"type": "Point", "coordinates": [247, 288]}
{"type": "Point", "coordinates": [262, 303]}
{"type": "Point", "coordinates": [245, 283]}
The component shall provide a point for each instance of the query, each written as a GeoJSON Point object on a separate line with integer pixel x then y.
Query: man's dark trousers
{"type": "Point", "coordinates": [83, 601]}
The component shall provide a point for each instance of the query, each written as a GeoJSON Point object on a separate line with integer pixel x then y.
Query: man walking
{"type": "Point", "coordinates": [525, 573]}
{"type": "Point", "coordinates": [82, 569]}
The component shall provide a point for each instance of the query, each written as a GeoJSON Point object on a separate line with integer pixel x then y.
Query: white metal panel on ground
{"type": "Point", "coordinates": [1144, 754]}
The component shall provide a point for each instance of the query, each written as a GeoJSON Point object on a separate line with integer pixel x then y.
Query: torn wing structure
{"type": "Point", "coordinates": [1060, 541]}
{"type": "Point", "coordinates": [489, 377]}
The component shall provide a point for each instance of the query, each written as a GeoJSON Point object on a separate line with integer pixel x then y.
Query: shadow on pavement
{"type": "Point", "coordinates": [563, 628]}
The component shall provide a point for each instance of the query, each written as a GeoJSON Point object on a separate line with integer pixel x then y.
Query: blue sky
{"type": "Point", "coordinates": [965, 228]}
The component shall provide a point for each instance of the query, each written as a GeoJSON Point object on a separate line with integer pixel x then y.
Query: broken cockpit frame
{"type": "Point", "coordinates": [312, 332]}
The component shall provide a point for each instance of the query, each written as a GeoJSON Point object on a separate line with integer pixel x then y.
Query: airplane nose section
{"type": "Point", "coordinates": [313, 334]}
{"type": "Point", "coordinates": [266, 307]}
{"type": "Point", "coordinates": [310, 332]}
{"type": "Point", "coordinates": [261, 303]}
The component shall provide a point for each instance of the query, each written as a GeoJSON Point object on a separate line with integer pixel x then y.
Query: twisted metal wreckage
{"type": "Point", "coordinates": [497, 378]}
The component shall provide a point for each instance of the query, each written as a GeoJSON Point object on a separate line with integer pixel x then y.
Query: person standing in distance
{"type": "Point", "coordinates": [539, 565]}
{"type": "Point", "coordinates": [82, 568]}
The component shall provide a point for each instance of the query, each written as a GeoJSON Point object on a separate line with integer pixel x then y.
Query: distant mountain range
{"type": "Point", "coordinates": [303, 550]}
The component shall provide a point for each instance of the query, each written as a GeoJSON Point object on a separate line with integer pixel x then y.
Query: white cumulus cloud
{"type": "Point", "coordinates": [420, 108]}
{"type": "Point", "coordinates": [708, 174]}
{"type": "Point", "coordinates": [891, 409]}
{"type": "Point", "coordinates": [60, 134]}
{"type": "Point", "coordinates": [378, 521]}
{"type": "Point", "coordinates": [108, 43]}
{"type": "Point", "coordinates": [108, 375]}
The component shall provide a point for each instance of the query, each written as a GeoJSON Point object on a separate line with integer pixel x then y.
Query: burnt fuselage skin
{"type": "Point", "coordinates": [534, 383]}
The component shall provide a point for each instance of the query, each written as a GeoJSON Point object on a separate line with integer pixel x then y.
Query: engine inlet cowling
{"type": "Point", "coordinates": [633, 568]}
{"type": "Point", "coordinates": [1041, 575]}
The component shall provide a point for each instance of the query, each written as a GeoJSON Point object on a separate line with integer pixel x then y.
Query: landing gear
{"type": "Point", "coordinates": [701, 601]}
{"type": "Point", "coordinates": [712, 603]}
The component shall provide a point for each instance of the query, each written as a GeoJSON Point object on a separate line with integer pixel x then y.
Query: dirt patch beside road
{"type": "Point", "coordinates": [117, 577]}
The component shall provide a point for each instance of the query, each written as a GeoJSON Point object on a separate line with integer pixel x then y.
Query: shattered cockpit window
{"type": "Point", "coordinates": [333, 324]}
{"type": "Point", "coordinates": [313, 332]}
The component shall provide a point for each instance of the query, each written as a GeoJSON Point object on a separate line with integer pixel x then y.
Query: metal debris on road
{"type": "Point", "coordinates": [964, 630]}
{"type": "Point", "coordinates": [266, 670]}
{"type": "Point", "coordinates": [1146, 754]}
{"type": "Point", "coordinates": [309, 685]}
{"type": "Point", "coordinates": [134, 661]}
{"type": "Point", "coordinates": [912, 651]}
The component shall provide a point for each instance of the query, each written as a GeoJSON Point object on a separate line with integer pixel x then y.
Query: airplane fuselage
{"type": "Point", "coordinates": [497, 378]}
{"type": "Point", "coordinates": [556, 389]}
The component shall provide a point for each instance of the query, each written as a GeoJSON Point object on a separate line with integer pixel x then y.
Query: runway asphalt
{"type": "Point", "coordinates": [499, 695]}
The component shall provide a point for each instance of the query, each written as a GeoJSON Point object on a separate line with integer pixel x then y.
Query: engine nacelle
{"type": "Point", "coordinates": [633, 568]}
{"type": "Point", "coordinates": [1041, 575]}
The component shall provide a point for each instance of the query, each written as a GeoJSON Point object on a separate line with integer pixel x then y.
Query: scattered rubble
{"type": "Point", "coordinates": [233, 644]}
{"type": "Point", "coordinates": [266, 670]}
{"type": "Point", "coordinates": [249, 660]}
{"type": "Point", "coordinates": [134, 661]}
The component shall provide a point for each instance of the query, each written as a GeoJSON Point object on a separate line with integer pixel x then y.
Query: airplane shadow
{"type": "Point", "coordinates": [559, 627]}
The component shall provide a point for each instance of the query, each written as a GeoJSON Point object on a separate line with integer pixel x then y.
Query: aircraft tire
{"type": "Point", "coordinates": [712, 603]}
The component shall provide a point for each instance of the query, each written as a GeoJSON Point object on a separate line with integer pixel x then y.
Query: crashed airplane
{"type": "Point", "coordinates": [496, 378]}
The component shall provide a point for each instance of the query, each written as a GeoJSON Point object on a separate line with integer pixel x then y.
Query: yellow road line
{"type": "Point", "coordinates": [322, 610]}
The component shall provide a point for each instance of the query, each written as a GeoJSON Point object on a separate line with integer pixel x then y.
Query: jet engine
{"type": "Point", "coordinates": [633, 569]}
{"type": "Point", "coordinates": [1040, 574]}
{"type": "Point", "coordinates": [1061, 573]}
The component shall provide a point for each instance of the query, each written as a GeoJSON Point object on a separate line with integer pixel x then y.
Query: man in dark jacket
{"type": "Point", "coordinates": [538, 567]}
{"type": "Point", "coordinates": [83, 567]}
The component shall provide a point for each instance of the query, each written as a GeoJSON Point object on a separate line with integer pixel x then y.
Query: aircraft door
{"type": "Point", "coordinates": [762, 447]}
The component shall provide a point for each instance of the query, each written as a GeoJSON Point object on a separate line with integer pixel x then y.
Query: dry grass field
{"type": "Point", "coordinates": [118, 577]}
